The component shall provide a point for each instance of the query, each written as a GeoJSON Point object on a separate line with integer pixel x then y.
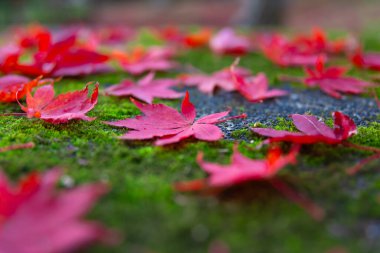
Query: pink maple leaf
{"type": "Point", "coordinates": [332, 80]}
{"type": "Point", "coordinates": [60, 109]}
{"type": "Point", "coordinates": [226, 41]}
{"type": "Point", "coordinates": [255, 88]}
{"type": "Point", "coordinates": [34, 217]}
{"type": "Point", "coordinates": [243, 169]}
{"type": "Point", "coordinates": [170, 126]}
{"type": "Point", "coordinates": [146, 89]}
{"type": "Point", "coordinates": [366, 60]}
{"type": "Point", "coordinates": [208, 83]}
{"type": "Point", "coordinates": [312, 130]}
{"type": "Point", "coordinates": [153, 59]}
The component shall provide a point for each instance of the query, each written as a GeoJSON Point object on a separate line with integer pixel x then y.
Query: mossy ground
{"type": "Point", "coordinates": [151, 217]}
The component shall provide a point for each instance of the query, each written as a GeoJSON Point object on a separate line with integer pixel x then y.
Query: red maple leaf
{"type": "Point", "coordinates": [209, 83]}
{"type": "Point", "coordinates": [243, 169]}
{"type": "Point", "coordinates": [302, 50]}
{"type": "Point", "coordinates": [34, 217]}
{"type": "Point", "coordinates": [312, 130]}
{"type": "Point", "coordinates": [255, 88]}
{"type": "Point", "coordinates": [64, 57]}
{"type": "Point", "coordinates": [60, 109]}
{"type": "Point", "coordinates": [366, 60]}
{"type": "Point", "coordinates": [141, 60]}
{"type": "Point", "coordinates": [332, 80]}
{"type": "Point", "coordinates": [8, 56]}
{"type": "Point", "coordinates": [170, 126]}
{"type": "Point", "coordinates": [173, 34]}
{"type": "Point", "coordinates": [318, 43]}
{"type": "Point", "coordinates": [280, 51]}
{"type": "Point", "coordinates": [34, 36]}
{"type": "Point", "coordinates": [113, 35]}
{"type": "Point", "coordinates": [146, 89]}
{"type": "Point", "coordinates": [226, 41]}
{"type": "Point", "coordinates": [13, 86]}
{"type": "Point", "coordinates": [197, 39]}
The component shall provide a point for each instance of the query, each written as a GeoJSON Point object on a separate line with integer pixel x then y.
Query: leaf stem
{"type": "Point", "coordinates": [373, 91]}
{"type": "Point", "coordinates": [353, 170]}
{"type": "Point", "coordinates": [241, 116]}
{"type": "Point", "coordinates": [310, 207]}
{"type": "Point", "coordinates": [189, 186]}
{"type": "Point", "coordinates": [14, 114]}
{"type": "Point", "coordinates": [360, 147]}
{"type": "Point", "coordinates": [17, 146]}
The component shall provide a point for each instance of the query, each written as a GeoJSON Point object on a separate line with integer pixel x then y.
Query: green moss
{"type": "Point", "coordinates": [369, 135]}
{"type": "Point", "coordinates": [242, 133]}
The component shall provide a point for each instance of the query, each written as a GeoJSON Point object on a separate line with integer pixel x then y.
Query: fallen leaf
{"type": "Point", "coordinates": [254, 88]}
{"type": "Point", "coordinates": [209, 83]}
{"type": "Point", "coordinates": [226, 41]}
{"type": "Point", "coordinates": [153, 59]}
{"type": "Point", "coordinates": [13, 87]}
{"type": "Point", "coordinates": [174, 35]}
{"type": "Point", "coordinates": [60, 58]}
{"type": "Point", "coordinates": [312, 130]}
{"type": "Point", "coordinates": [332, 80]}
{"type": "Point", "coordinates": [317, 42]}
{"type": "Point", "coordinates": [197, 39]}
{"type": "Point", "coordinates": [366, 60]}
{"type": "Point", "coordinates": [34, 217]}
{"type": "Point", "coordinates": [302, 50]}
{"type": "Point", "coordinates": [146, 89]}
{"type": "Point", "coordinates": [170, 126]}
{"type": "Point", "coordinates": [60, 109]}
{"type": "Point", "coordinates": [244, 169]}
{"type": "Point", "coordinates": [280, 51]}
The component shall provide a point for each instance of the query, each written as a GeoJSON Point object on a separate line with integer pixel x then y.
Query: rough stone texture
{"type": "Point", "coordinates": [362, 110]}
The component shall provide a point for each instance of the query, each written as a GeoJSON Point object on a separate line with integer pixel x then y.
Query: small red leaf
{"type": "Point", "coordinates": [60, 109]}
{"type": "Point", "coordinates": [226, 41]}
{"type": "Point", "coordinates": [254, 88]}
{"type": "Point", "coordinates": [332, 82]}
{"type": "Point", "coordinates": [146, 89]}
{"type": "Point", "coordinates": [366, 60]}
{"type": "Point", "coordinates": [208, 83]}
{"type": "Point", "coordinates": [154, 59]}
{"type": "Point", "coordinates": [243, 169]}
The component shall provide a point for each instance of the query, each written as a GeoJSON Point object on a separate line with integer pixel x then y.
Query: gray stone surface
{"type": "Point", "coordinates": [362, 110]}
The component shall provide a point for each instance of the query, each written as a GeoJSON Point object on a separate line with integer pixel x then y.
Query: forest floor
{"type": "Point", "coordinates": [152, 217]}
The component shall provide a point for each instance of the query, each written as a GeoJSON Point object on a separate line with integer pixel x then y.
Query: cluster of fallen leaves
{"type": "Point", "coordinates": [47, 220]}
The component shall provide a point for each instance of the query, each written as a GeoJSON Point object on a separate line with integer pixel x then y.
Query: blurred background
{"type": "Point", "coordinates": [299, 14]}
